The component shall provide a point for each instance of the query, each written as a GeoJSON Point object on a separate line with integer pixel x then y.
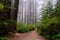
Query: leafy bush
{"type": "Point", "coordinates": [7, 26]}
{"type": "Point", "coordinates": [50, 28]}
{"type": "Point", "coordinates": [22, 28]}
{"type": "Point", "coordinates": [5, 7]}
{"type": "Point", "coordinates": [57, 37]}
{"type": "Point", "coordinates": [1, 6]}
{"type": "Point", "coordinates": [50, 23]}
{"type": "Point", "coordinates": [2, 38]}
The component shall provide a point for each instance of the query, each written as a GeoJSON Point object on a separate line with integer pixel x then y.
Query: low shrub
{"type": "Point", "coordinates": [7, 26]}
{"type": "Point", "coordinates": [50, 29]}
{"type": "Point", "coordinates": [22, 28]}
{"type": "Point", "coordinates": [2, 38]}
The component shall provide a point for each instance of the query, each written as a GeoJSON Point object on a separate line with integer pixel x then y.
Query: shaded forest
{"type": "Point", "coordinates": [19, 16]}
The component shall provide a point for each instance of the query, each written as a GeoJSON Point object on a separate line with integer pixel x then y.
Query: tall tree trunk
{"type": "Point", "coordinates": [35, 11]}
{"type": "Point", "coordinates": [13, 14]}
{"type": "Point", "coordinates": [16, 6]}
{"type": "Point", "coordinates": [22, 11]}
{"type": "Point", "coordinates": [14, 9]}
{"type": "Point", "coordinates": [30, 11]}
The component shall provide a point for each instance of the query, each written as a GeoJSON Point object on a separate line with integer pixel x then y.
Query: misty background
{"type": "Point", "coordinates": [30, 11]}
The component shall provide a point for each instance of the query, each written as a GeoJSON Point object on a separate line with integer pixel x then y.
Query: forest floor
{"type": "Point", "coordinates": [33, 35]}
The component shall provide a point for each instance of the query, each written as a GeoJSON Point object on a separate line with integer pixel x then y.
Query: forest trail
{"type": "Point", "coordinates": [33, 35]}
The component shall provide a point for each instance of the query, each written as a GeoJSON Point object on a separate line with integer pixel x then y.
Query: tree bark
{"type": "Point", "coordinates": [14, 13]}
{"type": "Point", "coordinates": [14, 9]}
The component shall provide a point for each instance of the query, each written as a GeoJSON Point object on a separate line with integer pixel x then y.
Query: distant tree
{"type": "Point", "coordinates": [47, 11]}
{"type": "Point", "coordinates": [57, 9]}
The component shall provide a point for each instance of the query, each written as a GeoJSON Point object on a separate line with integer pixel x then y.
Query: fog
{"type": "Point", "coordinates": [30, 11]}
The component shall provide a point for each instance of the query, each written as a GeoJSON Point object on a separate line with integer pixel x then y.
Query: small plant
{"type": "Point", "coordinates": [7, 26]}
{"type": "Point", "coordinates": [22, 28]}
{"type": "Point", "coordinates": [57, 37]}
{"type": "Point", "coordinates": [1, 6]}
{"type": "Point", "coordinates": [2, 38]}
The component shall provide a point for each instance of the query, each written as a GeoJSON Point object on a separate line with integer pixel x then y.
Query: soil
{"type": "Point", "coordinates": [33, 35]}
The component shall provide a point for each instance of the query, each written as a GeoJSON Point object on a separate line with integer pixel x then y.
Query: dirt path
{"type": "Point", "coordinates": [27, 36]}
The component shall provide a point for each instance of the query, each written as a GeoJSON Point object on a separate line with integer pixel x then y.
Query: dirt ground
{"type": "Point", "coordinates": [33, 35]}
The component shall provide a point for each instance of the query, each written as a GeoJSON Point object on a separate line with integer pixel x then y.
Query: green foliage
{"type": "Point", "coordinates": [50, 24]}
{"type": "Point", "coordinates": [5, 9]}
{"type": "Point", "coordinates": [22, 28]}
{"type": "Point", "coordinates": [7, 26]}
{"type": "Point", "coordinates": [5, 22]}
{"type": "Point", "coordinates": [57, 37]}
{"type": "Point", "coordinates": [2, 38]}
{"type": "Point", "coordinates": [1, 6]}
